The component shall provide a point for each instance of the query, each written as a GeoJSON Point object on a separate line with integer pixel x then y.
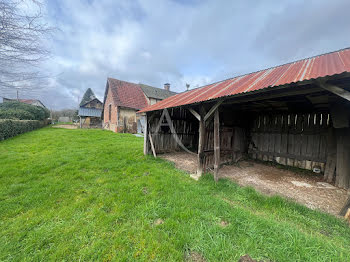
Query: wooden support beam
{"type": "Point", "coordinates": [173, 131]}
{"type": "Point", "coordinates": [152, 115]}
{"type": "Point", "coordinates": [335, 90]}
{"type": "Point", "coordinates": [201, 141]}
{"type": "Point", "coordinates": [196, 115]}
{"type": "Point", "coordinates": [145, 137]}
{"type": "Point", "coordinates": [212, 110]}
{"type": "Point", "coordinates": [152, 145]}
{"type": "Point", "coordinates": [342, 178]}
{"type": "Point", "coordinates": [345, 209]}
{"type": "Point", "coordinates": [329, 172]}
{"type": "Point", "coordinates": [216, 145]}
{"type": "Point", "coordinates": [159, 122]}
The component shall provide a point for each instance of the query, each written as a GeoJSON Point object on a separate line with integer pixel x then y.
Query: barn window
{"type": "Point", "coordinates": [110, 112]}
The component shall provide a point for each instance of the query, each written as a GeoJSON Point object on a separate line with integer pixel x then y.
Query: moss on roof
{"type": "Point", "coordinates": [88, 96]}
{"type": "Point", "coordinates": [155, 92]}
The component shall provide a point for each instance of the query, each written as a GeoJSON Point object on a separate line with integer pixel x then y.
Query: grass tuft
{"type": "Point", "coordinates": [92, 195]}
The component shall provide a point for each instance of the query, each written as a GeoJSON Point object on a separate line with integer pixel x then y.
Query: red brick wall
{"type": "Point", "coordinates": [111, 125]}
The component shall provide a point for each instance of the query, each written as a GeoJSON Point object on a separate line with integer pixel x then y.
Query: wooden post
{"type": "Point", "coordinates": [331, 156]}
{"type": "Point", "coordinates": [346, 208]}
{"type": "Point", "coordinates": [152, 145]}
{"type": "Point", "coordinates": [342, 178]}
{"type": "Point", "coordinates": [201, 142]}
{"type": "Point", "coordinates": [216, 144]}
{"type": "Point", "coordinates": [145, 137]}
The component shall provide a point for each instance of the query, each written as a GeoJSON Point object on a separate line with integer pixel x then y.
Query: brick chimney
{"type": "Point", "coordinates": [167, 86]}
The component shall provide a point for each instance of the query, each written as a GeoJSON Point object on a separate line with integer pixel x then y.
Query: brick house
{"type": "Point", "coordinates": [123, 99]}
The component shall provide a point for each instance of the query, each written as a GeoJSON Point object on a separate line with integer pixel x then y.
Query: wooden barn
{"type": "Point", "coordinates": [296, 114]}
{"type": "Point", "coordinates": [90, 111]}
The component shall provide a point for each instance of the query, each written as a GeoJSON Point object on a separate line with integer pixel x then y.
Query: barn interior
{"type": "Point", "coordinates": [303, 125]}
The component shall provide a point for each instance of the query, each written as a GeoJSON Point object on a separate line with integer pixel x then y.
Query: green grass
{"type": "Point", "coordinates": [72, 195]}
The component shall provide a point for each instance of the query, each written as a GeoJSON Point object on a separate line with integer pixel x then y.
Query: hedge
{"type": "Point", "coordinates": [10, 128]}
{"type": "Point", "coordinates": [17, 114]}
{"type": "Point", "coordinates": [22, 111]}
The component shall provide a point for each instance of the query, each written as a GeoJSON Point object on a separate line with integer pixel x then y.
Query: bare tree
{"type": "Point", "coordinates": [23, 33]}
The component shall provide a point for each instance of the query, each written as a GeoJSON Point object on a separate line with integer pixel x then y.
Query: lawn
{"type": "Point", "coordinates": [72, 195]}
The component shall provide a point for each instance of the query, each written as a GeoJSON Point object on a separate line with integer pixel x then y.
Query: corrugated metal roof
{"type": "Point", "coordinates": [310, 68]}
{"type": "Point", "coordinates": [86, 111]}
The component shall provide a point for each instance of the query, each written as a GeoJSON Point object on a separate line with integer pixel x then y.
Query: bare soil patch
{"type": "Point", "coordinates": [305, 188]}
{"type": "Point", "coordinates": [66, 126]}
{"type": "Point", "coordinates": [194, 256]}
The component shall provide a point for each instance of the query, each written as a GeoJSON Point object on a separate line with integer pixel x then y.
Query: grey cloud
{"type": "Point", "coordinates": [180, 42]}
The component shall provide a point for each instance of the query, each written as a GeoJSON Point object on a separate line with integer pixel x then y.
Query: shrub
{"type": "Point", "coordinates": [10, 128]}
{"type": "Point", "coordinates": [22, 111]}
{"type": "Point", "coordinates": [18, 114]}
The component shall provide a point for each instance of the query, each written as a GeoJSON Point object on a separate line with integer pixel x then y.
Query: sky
{"type": "Point", "coordinates": [178, 41]}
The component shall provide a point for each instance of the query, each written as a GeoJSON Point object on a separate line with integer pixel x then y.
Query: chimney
{"type": "Point", "coordinates": [167, 86]}
{"type": "Point", "coordinates": [187, 87]}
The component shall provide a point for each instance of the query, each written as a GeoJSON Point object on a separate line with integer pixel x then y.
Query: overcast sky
{"type": "Point", "coordinates": [179, 41]}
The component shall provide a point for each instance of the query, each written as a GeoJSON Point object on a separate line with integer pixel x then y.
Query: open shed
{"type": "Point", "coordinates": [295, 114]}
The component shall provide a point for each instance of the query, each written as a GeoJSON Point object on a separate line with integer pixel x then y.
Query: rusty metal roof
{"type": "Point", "coordinates": [310, 68]}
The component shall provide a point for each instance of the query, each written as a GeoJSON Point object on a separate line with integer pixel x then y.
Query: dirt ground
{"type": "Point", "coordinates": [305, 188]}
{"type": "Point", "coordinates": [66, 126]}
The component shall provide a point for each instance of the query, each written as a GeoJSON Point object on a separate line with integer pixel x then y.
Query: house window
{"type": "Point", "coordinates": [110, 112]}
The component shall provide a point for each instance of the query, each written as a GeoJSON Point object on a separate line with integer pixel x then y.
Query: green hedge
{"type": "Point", "coordinates": [10, 127]}
{"type": "Point", "coordinates": [18, 114]}
{"type": "Point", "coordinates": [22, 111]}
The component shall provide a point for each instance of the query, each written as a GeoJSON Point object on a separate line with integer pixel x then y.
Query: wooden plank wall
{"type": "Point", "coordinates": [232, 145]}
{"type": "Point", "coordinates": [298, 140]}
{"type": "Point", "coordinates": [185, 128]}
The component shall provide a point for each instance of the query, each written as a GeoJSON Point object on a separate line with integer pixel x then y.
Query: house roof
{"type": "Point", "coordinates": [26, 101]}
{"type": "Point", "coordinates": [131, 95]}
{"type": "Point", "coordinates": [157, 93]}
{"type": "Point", "coordinates": [87, 97]}
{"type": "Point", "coordinates": [333, 63]}
{"type": "Point", "coordinates": [83, 105]}
{"type": "Point", "coordinates": [87, 111]}
{"type": "Point", "coordinates": [126, 94]}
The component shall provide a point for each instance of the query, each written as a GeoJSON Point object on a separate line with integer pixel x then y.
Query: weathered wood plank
{"type": "Point", "coordinates": [345, 209]}
{"type": "Point", "coordinates": [195, 114]}
{"type": "Point", "coordinates": [145, 138]}
{"type": "Point", "coordinates": [173, 131]}
{"type": "Point", "coordinates": [152, 145]}
{"type": "Point", "coordinates": [159, 122]}
{"type": "Point", "coordinates": [343, 158]}
{"type": "Point", "coordinates": [216, 144]}
{"type": "Point", "coordinates": [335, 90]}
{"type": "Point", "coordinates": [201, 142]}
{"type": "Point", "coordinates": [212, 110]}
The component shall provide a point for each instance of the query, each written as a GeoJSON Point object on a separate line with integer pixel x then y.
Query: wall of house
{"type": "Point", "coordinates": [151, 100]}
{"type": "Point", "coordinates": [110, 124]}
{"type": "Point", "coordinates": [91, 122]}
{"type": "Point", "coordinates": [127, 120]}
{"type": "Point", "coordinates": [94, 104]}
